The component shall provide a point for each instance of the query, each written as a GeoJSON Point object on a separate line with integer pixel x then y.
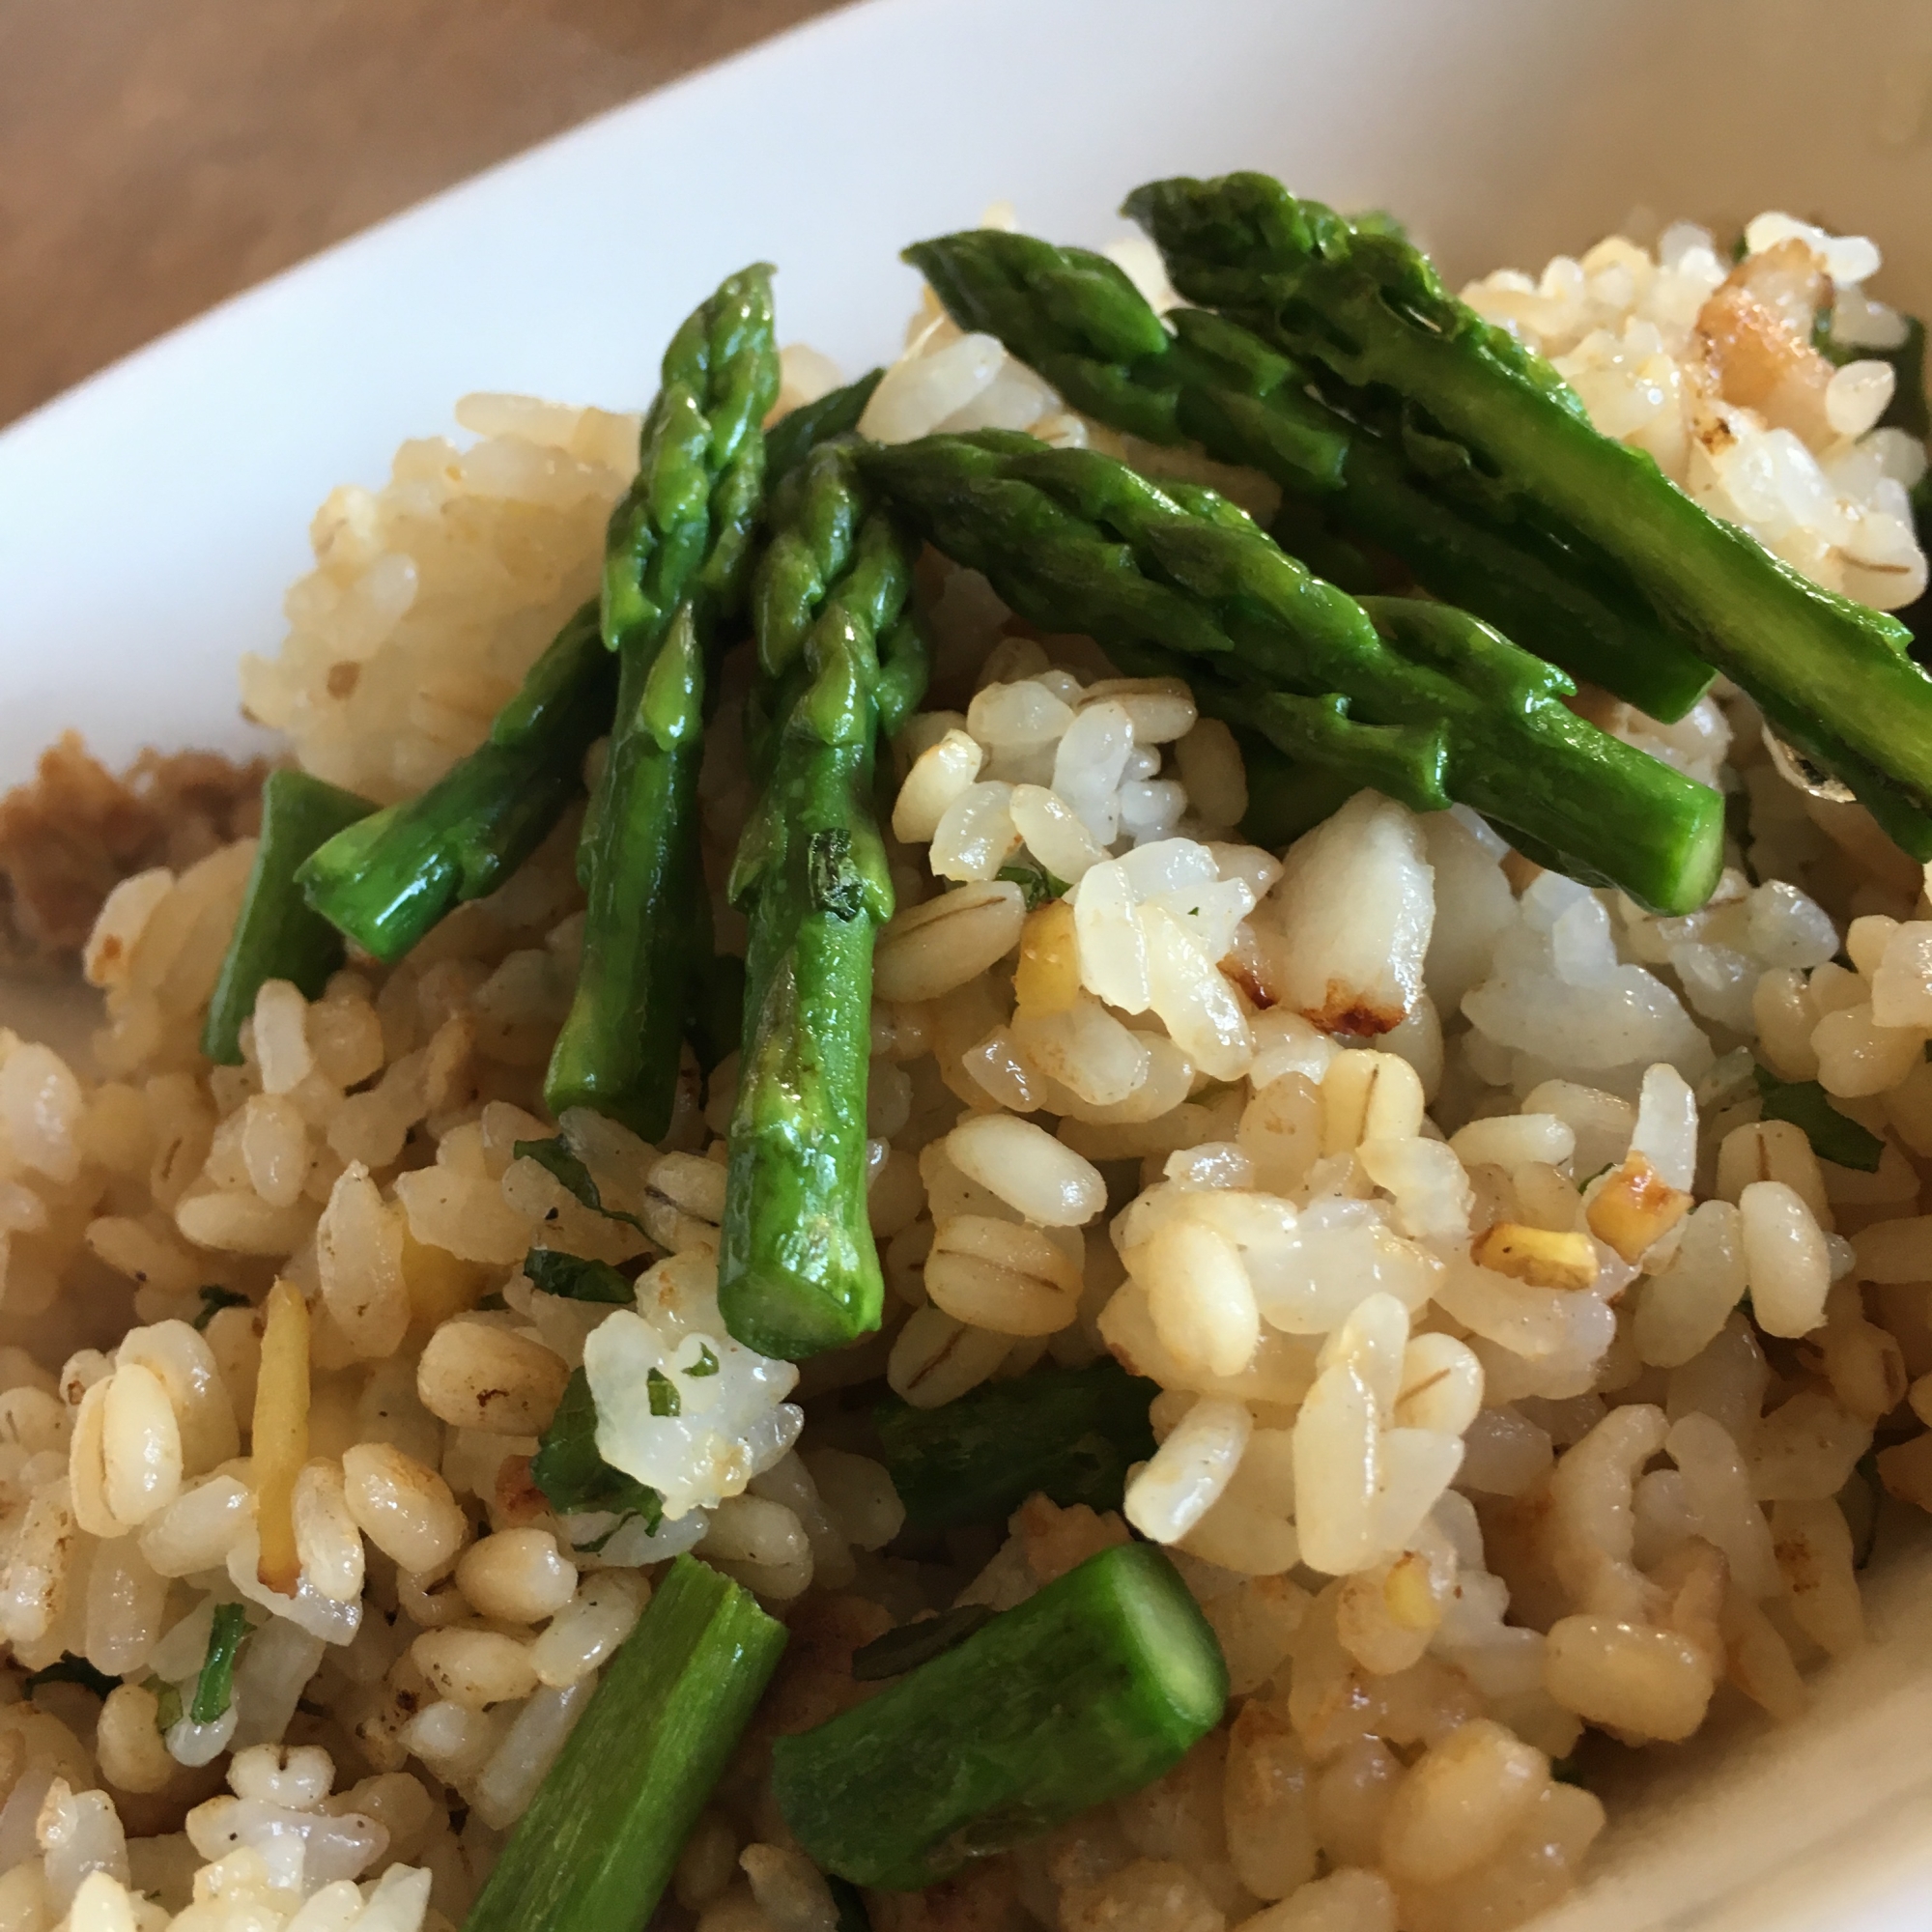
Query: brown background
{"type": "Point", "coordinates": [159, 154]}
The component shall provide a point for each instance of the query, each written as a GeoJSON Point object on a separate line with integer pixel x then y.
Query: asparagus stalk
{"type": "Point", "coordinates": [674, 566]}
{"type": "Point", "coordinates": [1079, 321]}
{"type": "Point", "coordinates": [797, 1271]}
{"type": "Point", "coordinates": [388, 880]}
{"type": "Point", "coordinates": [791, 439]}
{"type": "Point", "coordinates": [597, 1846]}
{"type": "Point", "coordinates": [1496, 422]}
{"type": "Point", "coordinates": [1084, 1692]}
{"type": "Point", "coordinates": [1319, 736]}
{"type": "Point", "coordinates": [1072, 1433]}
{"type": "Point", "coordinates": [276, 936]}
{"type": "Point", "coordinates": [1075, 541]}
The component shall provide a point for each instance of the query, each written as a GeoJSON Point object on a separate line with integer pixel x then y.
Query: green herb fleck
{"type": "Point", "coordinates": [1038, 884]}
{"type": "Point", "coordinates": [167, 1703]}
{"type": "Point", "coordinates": [568, 1470]}
{"type": "Point", "coordinates": [832, 883]}
{"type": "Point", "coordinates": [557, 1161]}
{"type": "Point", "coordinates": [912, 1644]}
{"type": "Point", "coordinates": [577, 1280]}
{"type": "Point", "coordinates": [71, 1669]}
{"type": "Point", "coordinates": [850, 1902]}
{"type": "Point", "coordinates": [664, 1396]}
{"type": "Point", "coordinates": [213, 1299]}
{"type": "Point", "coordinates": [215, 1687]}
{"type": "Point", "coordinates": [707, 1363]}
{"type": "Point", "coordinates": [1834, 1136]}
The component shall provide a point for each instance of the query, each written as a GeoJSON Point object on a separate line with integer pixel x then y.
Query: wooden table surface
{"type": "Point", "coordinates": [159, 154]}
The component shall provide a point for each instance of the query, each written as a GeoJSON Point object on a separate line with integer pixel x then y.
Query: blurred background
{"type": "Point", "coordinates": [159, 154]}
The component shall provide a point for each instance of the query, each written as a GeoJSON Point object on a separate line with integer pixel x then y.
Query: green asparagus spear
{"type": "Point", "coordinates": [1079, 321]}
{"type": "Point", "coordinates": [389, 879]}
{"type": "Point", "coordinates": [1072, 1433]}
{"type": "Point", "coordinates": [1084, 1692]}
{"type": "Point", "coordinates": [276, 936]}
{"type": "Point", "coordinates": [792, 439]}
{"type": "Point", "coordinates": [674, 566]}
{"type": "Point", "coordinates": [596, 1848]}
{"type": "Point", "coordinates": [1316, 735]}
{"type": "Point", "coordinates": [797, 1271]}
{"type": "Point", "coordinates": [1075, 541]}
{"type": "Point", "coordinates": [1496, 422]}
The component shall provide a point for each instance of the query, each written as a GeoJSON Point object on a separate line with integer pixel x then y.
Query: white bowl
{"type": "Point", "coordinates": [150, 519]}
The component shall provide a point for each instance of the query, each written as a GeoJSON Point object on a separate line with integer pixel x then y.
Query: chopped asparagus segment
{"type": "Point", "coordinates": [598, 1844]}
{"type": "Point", "coordinates": [276, 936]}
{"type": "Point", "coordinates": [1494, 422]}
{"type": "Point", "coordinates": [388, 880]}
{"type": "Point", "coordinates": [1082, 1694]}
{"type": "Point", "coordinates": [1085, 327]}
{"type": "Point", "coordinates": [797, 1269]}
{"type": "Point", "coordinates": [1072, 1433]}
{"type": "Point", "coordinates": [1075, 541]}
{"type": "Point", "coordinates": [675, 562]}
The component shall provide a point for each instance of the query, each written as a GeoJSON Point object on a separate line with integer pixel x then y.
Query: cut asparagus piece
{"type": "Point", "coordinates": [388, 880]}
{"type": "Point", "coordinates": [674, 566]}
{"type": "Point", "coordinates": [1070, 1434]}
{"type": "Point", "coordinates": [797, 1269]}
{"type": "Point", "coordinates": [1491, 419]}
{"type": "Point", "coordinates": [1084, 1692]}
{"type": "Point", "coordinates": [1078, 319]}
{"type": "Point", "coordinates": [1075, 541]}
{"type": "Point", "coordinates": [1319, 735]}
{"type": "Point", "coordinates": [792, 439]}
{"type": "Point", "coordinates": [276, 936]}
{"type": "Point", "coordinates": [598, 1844]}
